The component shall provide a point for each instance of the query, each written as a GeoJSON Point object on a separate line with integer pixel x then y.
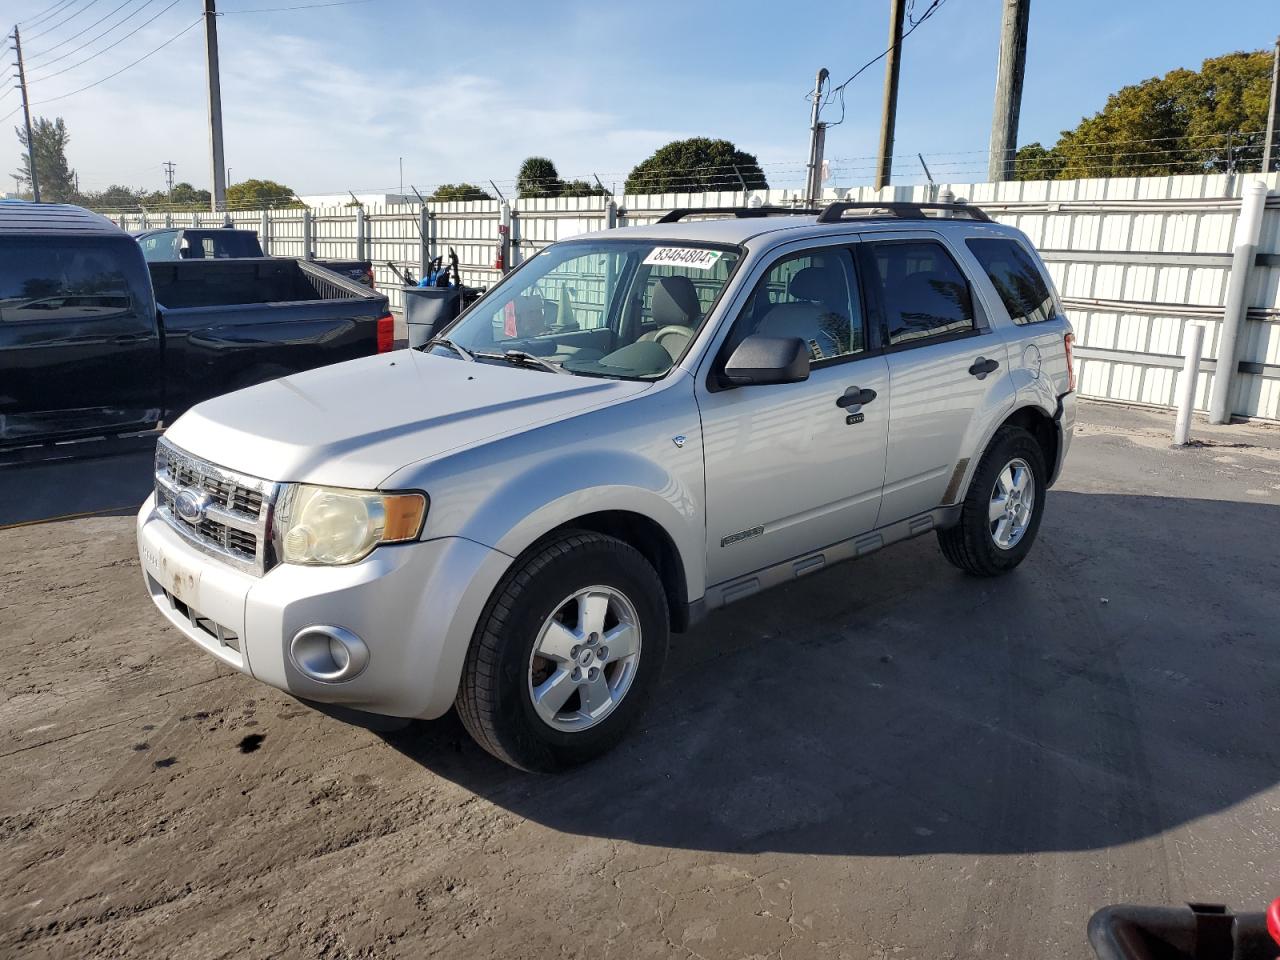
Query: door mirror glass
{"type": "Point", "coordinates": [760, 360]}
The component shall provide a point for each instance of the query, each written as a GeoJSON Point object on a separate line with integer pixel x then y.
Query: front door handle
{"type": "Point", "coordinates": [855, 397]}
{"type": "Point", "coordinates": [982, 366]}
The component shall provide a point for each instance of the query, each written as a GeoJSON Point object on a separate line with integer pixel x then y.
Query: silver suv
{"type": "Point", "coordinates": [630, 430]}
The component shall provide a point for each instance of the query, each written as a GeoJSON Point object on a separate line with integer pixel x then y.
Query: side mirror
{"type": "Point", "coordinates": [759, 360]}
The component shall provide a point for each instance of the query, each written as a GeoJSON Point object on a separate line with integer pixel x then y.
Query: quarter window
{"type": "Point", "coordinates": [1016, 278]}
{"type": "Point", "coordinates": [812, 296]}
{"type": "Point", "coordinates": [923, 290]}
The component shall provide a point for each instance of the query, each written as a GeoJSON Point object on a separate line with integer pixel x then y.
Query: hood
{"type": "Point", "coordinates": [353, 424]}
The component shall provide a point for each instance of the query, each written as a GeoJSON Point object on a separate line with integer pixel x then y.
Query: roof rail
{"type": "Point", "coordinates": [742, 213]}
{"type": "Point", "coordinates": [835, 212]}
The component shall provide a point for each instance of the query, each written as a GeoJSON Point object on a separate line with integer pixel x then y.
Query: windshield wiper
{"type": "Point", "coordinates": [521, 358]}
{"type": "Point", "coordinates": [446, 342]}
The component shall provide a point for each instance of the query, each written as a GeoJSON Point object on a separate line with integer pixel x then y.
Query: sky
{"type": "Point", "coordinates": [335, 97]}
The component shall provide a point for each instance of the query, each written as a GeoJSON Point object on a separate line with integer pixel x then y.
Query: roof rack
{"type": "Point", "coordinates": [742, 213]}
{"type": "Point", "coordinates": [835, 212]}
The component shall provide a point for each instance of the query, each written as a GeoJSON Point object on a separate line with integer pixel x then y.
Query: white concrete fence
{"type": "Point", "coordinates": [1136, 261]}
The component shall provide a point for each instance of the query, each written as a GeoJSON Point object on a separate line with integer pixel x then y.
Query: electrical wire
{"type": "Point", "coordinates": [63, 96]}
{"type": "Point", "coordinates": [63, 56]}
{"type": "Point", "coordinates": [10, 113]}
{"type": "Point", "coordinates": [305, 6]}
{"type": "Point", "coordinates": [115, 43]}
{"type": "Point", "coordinates": [60, 23]}
{"type": "Point", "coordinates": [50, 11]}
{"type": "Point", "coordinates": [839, 90]}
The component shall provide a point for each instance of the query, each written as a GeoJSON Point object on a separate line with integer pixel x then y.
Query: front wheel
{"type": "Point", "coordinates": [1001, 513]}
{"type": "Point", "coordinates": [566, 653]}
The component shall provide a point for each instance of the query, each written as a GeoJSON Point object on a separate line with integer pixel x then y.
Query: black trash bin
{"type": "Point", "coordinates": [427, 310]}
{"type": "Point", "coordinates": [1198, 931]}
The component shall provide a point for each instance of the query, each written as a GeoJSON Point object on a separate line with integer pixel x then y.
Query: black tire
{"type": "Point", "coordinates": [969, 544]}
{"type": "Point", "coordinates": [494, 702]}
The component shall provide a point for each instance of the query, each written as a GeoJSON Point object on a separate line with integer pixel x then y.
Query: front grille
{"type": "Point", "coordinates": [235, 508]}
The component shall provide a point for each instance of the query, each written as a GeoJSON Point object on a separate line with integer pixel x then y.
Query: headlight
{"type": "Point", "coordinates": [331, 525]}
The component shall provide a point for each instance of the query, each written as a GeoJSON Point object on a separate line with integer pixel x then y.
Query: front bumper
{"type": "Point", "coordinates": [415, 605]}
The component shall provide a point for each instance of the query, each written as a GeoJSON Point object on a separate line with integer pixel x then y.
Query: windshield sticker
{"type": "Point", "coordinates": [689, 257]}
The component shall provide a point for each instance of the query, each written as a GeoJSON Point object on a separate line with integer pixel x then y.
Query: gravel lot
{"type": "Point", "coordinates": [884, 760]}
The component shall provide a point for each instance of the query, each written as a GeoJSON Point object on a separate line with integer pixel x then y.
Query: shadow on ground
{"type": "Point", "coordinates": [1121, 682]}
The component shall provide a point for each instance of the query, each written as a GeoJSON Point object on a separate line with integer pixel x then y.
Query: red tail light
{"type": "Point", "coordinates": [386, 333]}
{"type": "Point", "coordinates": [1069, 342]}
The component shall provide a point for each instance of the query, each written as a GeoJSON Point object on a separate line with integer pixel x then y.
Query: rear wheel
{"type": "Point", "coordinates": [1001, 513]}
{"type": "Point", "coordinates": [566, 653]}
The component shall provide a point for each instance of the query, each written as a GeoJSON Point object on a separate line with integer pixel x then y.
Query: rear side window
{"type": "Point", "coordinates": [1016, 278]}
{"type": "Point", "coordinates": [924, 292]}
{"type": "Point", "coordinates": [62, 281]}
{"type": "Point", "coordinates": [160, 247]}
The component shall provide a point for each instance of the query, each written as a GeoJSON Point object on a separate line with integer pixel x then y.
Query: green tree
{"type": "Point", "coordinates": [50, 139]}
{"type": "Point", "coordinates": [115, 197]}
{"type": "Point", "coordinates": [694, 165]}
{"type": "Point", "coordinates": [1183, 122]}
{"type": "Point", "coordinates": [259, 194]}
{"type": "Point", "coordinates": [538, 177]}
{"type": "Point", "coordinates": [459, 191]}
{"type": "Point", "coordinates": [580, 188]}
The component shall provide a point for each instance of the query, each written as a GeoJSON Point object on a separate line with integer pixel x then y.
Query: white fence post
{"type": "Point", "coordinates": [610, 215]}
{"type": "Point", "coordinates": [361, 227]}
{"type": "Point", "coordinates": [306, 234]}
{"type": "Point", "coordinates": [504, 236]}
{"type": "Point", "coordinates": [168, 220]}
{"type": "Point", "coordinates": [265, 230]}
{"type": "Point", "coordinates": [1244, 247]}
{"type": "Point", "coordinates": [424, 238]}
{"type": "Point", "coordinates": [1194, 342]}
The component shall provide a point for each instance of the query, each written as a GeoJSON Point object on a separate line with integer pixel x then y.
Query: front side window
{"type": "Point", "coordinates": [610, 308]}
{"type": "Point", "coordinates": [923, 290]}
{"type": "Point", "coordinates": [1016, 278]}
{"type": "Point", "coordinates": [79, 280]}
{"type": "Point", "coordinates": [813, 296]}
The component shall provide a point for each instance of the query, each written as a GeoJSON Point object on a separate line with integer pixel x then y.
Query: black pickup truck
{"type": "Point", "coordinates": [95, 341]}
{"type": "Point", "coordinates": [228, 243]}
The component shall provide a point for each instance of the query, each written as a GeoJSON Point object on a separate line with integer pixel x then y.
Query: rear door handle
{"type": "Point", "coordinates": [982, 366]}
{"type": "Point", "coordinates": [855, 397]}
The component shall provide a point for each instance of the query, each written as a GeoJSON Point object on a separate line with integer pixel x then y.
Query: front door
{"type": "Point", "coordinates": [792, 468]}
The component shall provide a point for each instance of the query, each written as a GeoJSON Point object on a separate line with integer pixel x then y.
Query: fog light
{"type": "Point", "coordinates": [328, 654]}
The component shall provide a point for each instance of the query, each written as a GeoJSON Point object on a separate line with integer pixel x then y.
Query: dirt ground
{"type": "Point", "coordinates": [886, 760]}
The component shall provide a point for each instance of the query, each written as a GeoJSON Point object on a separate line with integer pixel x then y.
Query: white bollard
{"type": "Point", "coordinates": [1194, 343]}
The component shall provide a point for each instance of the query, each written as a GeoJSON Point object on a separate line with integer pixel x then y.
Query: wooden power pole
{"type": "Point", "coordinates": [884, 166]}
{"type": "Point", "coordinates": [26, 116]}
{"type": "Point", "coordinates": [218, 198]}
{"type": "Point", "coordinates": [1271, 149]}
{"type": "Point", "coordinates": [1013, 62]}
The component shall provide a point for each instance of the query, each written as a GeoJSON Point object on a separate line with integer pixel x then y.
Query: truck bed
{"type": "Point", "coordinates": [215, 283]}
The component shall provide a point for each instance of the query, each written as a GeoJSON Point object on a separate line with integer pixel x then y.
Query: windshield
{"type": "Point", "coordinates": [627, 309]}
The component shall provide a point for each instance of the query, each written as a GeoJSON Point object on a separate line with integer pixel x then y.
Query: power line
{"type": "Point", "coordinates": [111, 76]}
{"type": "Point", "coordinates": [60, 23]}
{"type": "Point", "coordinates": [305, 6]}
{"type": "Point", "coordinates": [63, 56]}
{"type": "Point", "coordinates": [50, 11]}
{"type": "Point", "coordinates": [839, 89]}
{"type": "Point", "coordinates": [110, 46]}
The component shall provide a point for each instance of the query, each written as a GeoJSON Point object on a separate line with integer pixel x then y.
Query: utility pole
{"type": "Point", "coordinates": [168, 177]}
{"type": "Point", "coordinates": [219, 196]}
{"type": "Point", "coordinates": [1271, 148]}
{"type": "Point", "coordinates": [817, 140]}
{"type": "Point", "coordinates": [892, 62]}
{"type": "Point", "coordinates": [26, 116]}
{"type": "Point", "coordinates": [1009, 71]}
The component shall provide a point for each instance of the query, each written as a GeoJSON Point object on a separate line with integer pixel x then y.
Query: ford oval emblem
{"type": "Point", "coordinates": [190, 505]}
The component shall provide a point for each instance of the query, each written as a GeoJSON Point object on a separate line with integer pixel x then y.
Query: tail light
{"type": "Point", "coordinates": [386, 333]}
{"type": "Point", "coordinates": [1069, 342]}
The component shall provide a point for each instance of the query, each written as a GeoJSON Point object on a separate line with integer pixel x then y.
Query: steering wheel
{"type": "Point", "coordinates": [672, 330]}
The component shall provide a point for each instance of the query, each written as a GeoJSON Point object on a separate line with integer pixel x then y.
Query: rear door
{"type": "Point", "coordinates": [79, 345]}
{"type": "Point", "coordinates": [948, 368]}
